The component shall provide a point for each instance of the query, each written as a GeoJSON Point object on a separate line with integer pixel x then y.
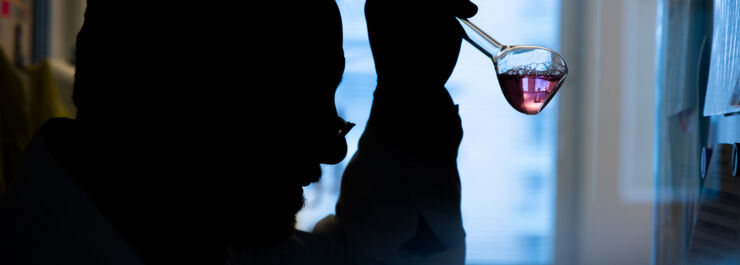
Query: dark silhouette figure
{"type": "Point", "coordinates": [400, 194]}
{"type": "Point", "coordinates": [198, 125]}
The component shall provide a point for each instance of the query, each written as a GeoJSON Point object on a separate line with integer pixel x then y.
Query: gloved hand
{"type": "Point", "coordinates": [415, 41]}
{"type": "Point", "coordinates": [415, 45]}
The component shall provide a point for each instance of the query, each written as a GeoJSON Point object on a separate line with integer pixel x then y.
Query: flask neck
{"type": "Point", "coordinates": [479, 39]}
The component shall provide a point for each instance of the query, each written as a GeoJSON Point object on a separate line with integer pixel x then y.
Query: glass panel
{"type": "Point", "coordinates": [684, 49]}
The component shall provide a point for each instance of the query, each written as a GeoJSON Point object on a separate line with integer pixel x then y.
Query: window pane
{"type": "Point", "coordinates": [506, 159]}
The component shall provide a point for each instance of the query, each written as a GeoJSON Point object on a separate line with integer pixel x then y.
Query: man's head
{"type": "Point", "coordinates": [219, 114]}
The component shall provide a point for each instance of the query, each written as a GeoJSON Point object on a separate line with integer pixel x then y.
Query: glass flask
{"type": "Point", "coordinates": [529, 76]}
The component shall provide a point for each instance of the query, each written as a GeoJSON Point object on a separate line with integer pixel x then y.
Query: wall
{"type": "Point", "coordinates": [14, 15]}
{"type": "Point", "coordinates": [66, 19]}
{"type": "Point", "coordinates": [606, 133]}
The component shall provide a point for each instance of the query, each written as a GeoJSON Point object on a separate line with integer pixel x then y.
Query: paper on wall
{"type": "Point", "coordinates": [723, 89]}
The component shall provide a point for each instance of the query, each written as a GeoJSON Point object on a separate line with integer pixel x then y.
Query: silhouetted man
{"type": "Point", "coordinates": [400, 196]}
{"type": "Point", "coordinates": [198, 125]}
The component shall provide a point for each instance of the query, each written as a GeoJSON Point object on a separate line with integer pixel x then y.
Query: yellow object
{"type": "Point", "coordinates": [46, 99]}
{"type": "Point", "coordinates": [15, 129]}
{"type": "Point", "coordinates": [27, 99]}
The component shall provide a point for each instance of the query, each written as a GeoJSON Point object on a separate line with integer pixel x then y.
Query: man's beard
{"type": "Point", "coordinates": [267, 224]}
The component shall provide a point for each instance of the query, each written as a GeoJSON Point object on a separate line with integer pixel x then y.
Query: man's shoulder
{"type": "Point", "coordinates": [46, 218]}
{"type": "Point", "coordinates": [21, 234]}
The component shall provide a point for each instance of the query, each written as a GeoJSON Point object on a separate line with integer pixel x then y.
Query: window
{"type": "Point", "coordinates": [506, 159]}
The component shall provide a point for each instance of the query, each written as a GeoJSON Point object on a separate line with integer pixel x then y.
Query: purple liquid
{"type": "Point", "coordinates": [528, 91]}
